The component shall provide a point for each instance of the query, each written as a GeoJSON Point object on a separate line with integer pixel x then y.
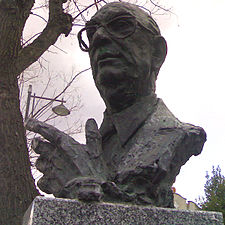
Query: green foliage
{"type": "Point", "coordinates": [214, 188]}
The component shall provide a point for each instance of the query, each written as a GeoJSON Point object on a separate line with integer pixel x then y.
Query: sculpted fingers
{"type": "Point", "coordinates": [53, 166]}
{"type": "Point", "coordinates": [40, 146]}
{"type": "Point", "coordinates": [91, 130]}
{"type": "Point", "coordinates": [93, 138]}
{"type": "Point", "coordinates": [94, 148]}
{"type": "Point", "coordinates": [45, 149]}
{"type": "Point", "coordinates": [50, 184]}
{"type": "Point", "coordinates": [49, 132]}
{"type": "Point", "coordinates": [57, 138]}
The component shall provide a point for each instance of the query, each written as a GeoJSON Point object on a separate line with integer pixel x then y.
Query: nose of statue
{"type": "Point", "coordinates": [100, 37]}
{"type": "Point", "coordinates": [101, 32]}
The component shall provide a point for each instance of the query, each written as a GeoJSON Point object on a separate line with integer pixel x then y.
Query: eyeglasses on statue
{"type": "Point", "coordinates": [119, 27]}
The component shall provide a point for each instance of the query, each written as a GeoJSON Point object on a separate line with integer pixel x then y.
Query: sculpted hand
{"type": "Point", "coordinates": [70, 169]}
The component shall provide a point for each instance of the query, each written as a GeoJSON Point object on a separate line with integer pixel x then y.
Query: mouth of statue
{"type": "Point", "coordinates": [109, 60]}
{"type": "Point", "coordinates": [107, 57]}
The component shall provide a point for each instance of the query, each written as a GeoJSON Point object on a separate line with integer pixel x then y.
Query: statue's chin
{"type": "Point", "coordinates": [119, 97]}
{"type": "Point", "coordinates": [111, 76]}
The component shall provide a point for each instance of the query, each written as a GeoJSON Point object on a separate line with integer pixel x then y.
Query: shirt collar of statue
{"type": "Point", "coordinates": [128, 121]}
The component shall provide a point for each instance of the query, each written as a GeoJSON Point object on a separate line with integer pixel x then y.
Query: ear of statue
{"type": "Point", "coordinates": [159, 53]}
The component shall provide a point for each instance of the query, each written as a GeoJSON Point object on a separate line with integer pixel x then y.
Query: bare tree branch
{"type": "Point", "coordinates": [58, 23]}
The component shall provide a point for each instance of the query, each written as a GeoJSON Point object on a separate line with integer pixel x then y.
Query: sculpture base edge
{"type": "Point", "coordinates": [66, 211]}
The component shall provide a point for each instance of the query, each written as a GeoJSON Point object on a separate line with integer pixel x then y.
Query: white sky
{"type": "Point", "coordinates": [191, 81]}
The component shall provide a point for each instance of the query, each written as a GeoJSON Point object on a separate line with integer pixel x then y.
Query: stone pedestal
{"type": "Point", "coordinates": [46, 211]}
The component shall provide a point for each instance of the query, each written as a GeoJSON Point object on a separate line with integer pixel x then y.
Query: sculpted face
{"type": "Point", "coordinates": [122, 53]}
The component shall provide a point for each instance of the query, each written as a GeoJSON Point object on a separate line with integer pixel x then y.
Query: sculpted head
{"type": "Point", "coordinates": [126, 52]}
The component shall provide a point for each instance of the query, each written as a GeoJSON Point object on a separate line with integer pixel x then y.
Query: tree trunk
{"type": "Point", "coordinates": [16, 182]}
{"type": "Point", "coordinates": [17, 188]}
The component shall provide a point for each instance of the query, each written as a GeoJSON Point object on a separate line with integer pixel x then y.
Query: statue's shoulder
{"type": "Point", "coordinates": [163, 125]}
{"type": "Point", "coordinates": [162, 118]}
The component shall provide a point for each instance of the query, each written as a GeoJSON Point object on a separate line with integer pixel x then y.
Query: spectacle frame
{"type": "Point", "coordinates": [119, 27]}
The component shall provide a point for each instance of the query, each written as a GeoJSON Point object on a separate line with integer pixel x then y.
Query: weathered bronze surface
{"type": "Point", "coordinates": [140, 147]}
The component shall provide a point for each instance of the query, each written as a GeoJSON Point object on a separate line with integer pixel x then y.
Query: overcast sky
{"type": "Point", "coordinates": [191, 81]}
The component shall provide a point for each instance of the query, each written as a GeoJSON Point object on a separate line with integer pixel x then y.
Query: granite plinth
{"type": "Point", "coordinates": [65, 211]}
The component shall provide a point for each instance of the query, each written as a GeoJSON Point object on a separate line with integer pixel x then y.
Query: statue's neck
{"type": "Point", "coordinates": [120, 103]}
{"type": "Point", "coordinates": [117, 104]}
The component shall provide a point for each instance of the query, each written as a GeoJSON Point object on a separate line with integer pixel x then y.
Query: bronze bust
{"type": "Point", "coordinates": [140, 147]}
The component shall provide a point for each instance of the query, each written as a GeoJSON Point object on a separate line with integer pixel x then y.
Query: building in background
{"type": "Point", "coordinates": [182, 203]}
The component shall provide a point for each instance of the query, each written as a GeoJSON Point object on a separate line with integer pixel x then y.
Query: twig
{"type": "Point", "coordinates": [82, 16]}
{"type": "Point", "coordinates": [160, 7]}
{"type": "Point", "coordinates": [39, 16]}
{"type": "Point", "coordinates": [67, 86]}
{"type": "Point", "coordinates": [31, 38]}
{"type": "Point", "coordinates": [86, 9]}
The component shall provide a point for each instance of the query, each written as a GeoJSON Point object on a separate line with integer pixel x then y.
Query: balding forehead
{"type": "Point", "coordinates": [114, 9]}
{"type": "Point", "coordinates": [111, 10]}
